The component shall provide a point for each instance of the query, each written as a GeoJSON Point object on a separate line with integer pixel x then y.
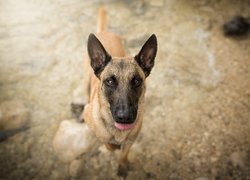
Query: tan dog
{"type": "Point", "coordinates": [115, 86]}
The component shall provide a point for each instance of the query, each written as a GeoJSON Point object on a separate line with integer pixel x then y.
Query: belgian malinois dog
{"type": "Point", "coordinates": [115, 87]}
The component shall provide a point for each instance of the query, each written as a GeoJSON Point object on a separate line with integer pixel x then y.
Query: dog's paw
{"type": "Point", "coordinates": [123, 170]}
{"type": "Point", "coordinates": [76, 110]}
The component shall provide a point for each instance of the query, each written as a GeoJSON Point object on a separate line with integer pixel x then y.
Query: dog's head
{"type": "Point", "coordinates": [122, 80]}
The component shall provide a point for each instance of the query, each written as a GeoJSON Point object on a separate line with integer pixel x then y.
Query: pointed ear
{"type": "Point", "coordinates": [146, 56]}
{"type": "Point", "coordinates": [99, 58]}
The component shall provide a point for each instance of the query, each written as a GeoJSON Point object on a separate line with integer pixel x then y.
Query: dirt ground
{"type": "Point", "coordinates": [197, 114]}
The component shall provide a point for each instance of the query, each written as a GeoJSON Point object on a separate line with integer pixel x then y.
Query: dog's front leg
{"type": "Point", "coordinates": [123, 159]}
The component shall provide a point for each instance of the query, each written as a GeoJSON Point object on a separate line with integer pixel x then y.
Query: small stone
{"type": "Point", "coordinates": [13, 115]}
{"type": "Point", "coordinates": [238, 159]}
{"type": "Point", "coordinates": [77, 109]}
{"type": "Point", "coordinates": [72, 139]}
{"type": "Point", "coordinates": [76, 168]}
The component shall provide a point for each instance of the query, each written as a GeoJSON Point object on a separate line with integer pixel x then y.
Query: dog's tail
{"type": "Point", "coordinates": [102, 21]}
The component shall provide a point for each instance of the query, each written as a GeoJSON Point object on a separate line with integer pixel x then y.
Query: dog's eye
{"type": "Point", "coordinates": [136, 82]}
{"type": "Point", "coordinates": [111, 82]}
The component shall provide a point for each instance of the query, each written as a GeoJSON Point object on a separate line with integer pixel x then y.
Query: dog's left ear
{"type": "Point", "coordinates": [146, 56]}
{"type": "Point", "coordinates": [99, 58]}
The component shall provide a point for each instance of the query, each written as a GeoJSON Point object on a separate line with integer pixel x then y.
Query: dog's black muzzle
{"type": "Point", "coordinates": [124, 113]}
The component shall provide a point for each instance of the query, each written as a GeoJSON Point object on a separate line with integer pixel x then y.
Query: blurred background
{"type": "Point", "coordinates": [197, 114]}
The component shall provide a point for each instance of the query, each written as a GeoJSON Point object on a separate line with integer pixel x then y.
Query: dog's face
{"type": "Point", "coordinates": [123, 86]}
{"type": "Point", "coordinates": [122, 80]}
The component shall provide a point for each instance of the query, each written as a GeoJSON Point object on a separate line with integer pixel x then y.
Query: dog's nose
{"type": "Point", "coordinates": [121, 115]}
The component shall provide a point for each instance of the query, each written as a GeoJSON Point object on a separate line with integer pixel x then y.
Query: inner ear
{"type": "Point", "coordinates": [99, 57]}
{"type": "Point", "coordinates": [146, 56]}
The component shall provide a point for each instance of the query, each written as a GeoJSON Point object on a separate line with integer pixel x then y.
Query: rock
{"type": "Point", "coordinates": [72, 139]}
{"type": "Point", "coordinates": [238, 159]}
{"type": "Point", "coordinates": [76, 168]}
{"type": "Point", "coordinates": [13, 115]}
{"type": "Point", "coordinates": [77, 109]}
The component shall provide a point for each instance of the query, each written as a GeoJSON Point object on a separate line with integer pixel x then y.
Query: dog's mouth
{"type": "Point", "coordinates": [124, 116]}
{"type": "Point", "coordinates": [124, 126]}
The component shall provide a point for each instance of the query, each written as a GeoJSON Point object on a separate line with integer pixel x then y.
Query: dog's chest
{"type": "Point", "coordinates": [119, 138]}
{"type": "Point", "coordinates": [112, 136]}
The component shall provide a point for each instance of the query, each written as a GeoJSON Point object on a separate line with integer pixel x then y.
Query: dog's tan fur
{"type": "Point", "coordinates": [97, 113]}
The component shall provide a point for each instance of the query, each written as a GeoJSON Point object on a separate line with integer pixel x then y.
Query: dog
{"type": "Point", "coordinates": [115, 86]}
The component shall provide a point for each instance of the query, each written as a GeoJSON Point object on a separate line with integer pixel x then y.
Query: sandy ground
{"type": "Point", "coordinates": [197, 117]}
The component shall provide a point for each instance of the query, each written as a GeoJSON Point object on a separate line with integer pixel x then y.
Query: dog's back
{"type": "Point", "coordinates": [111, 42]}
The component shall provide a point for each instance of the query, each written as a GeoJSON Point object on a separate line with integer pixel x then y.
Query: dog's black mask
{"type": "Point", "coordinates": [123, 97]}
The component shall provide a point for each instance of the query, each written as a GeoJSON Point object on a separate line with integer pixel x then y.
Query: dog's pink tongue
{"type": "Point", "coordinates": [124, 126]}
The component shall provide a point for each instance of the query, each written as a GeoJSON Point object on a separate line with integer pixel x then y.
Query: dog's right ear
{"type": "Point", "coordinates": [99, 58]}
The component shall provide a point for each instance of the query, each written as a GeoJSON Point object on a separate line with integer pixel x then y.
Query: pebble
{"type": "Point", "coordinates": [72, 139]}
